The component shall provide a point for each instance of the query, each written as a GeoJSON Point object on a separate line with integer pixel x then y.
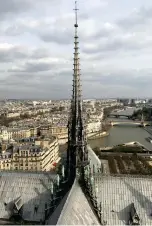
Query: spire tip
{"type": "Point", "coordinates": [76, 20]}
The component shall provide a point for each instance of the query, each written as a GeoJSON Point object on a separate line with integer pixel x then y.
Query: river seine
{"type": "Point", "coordinates": [123, 133]}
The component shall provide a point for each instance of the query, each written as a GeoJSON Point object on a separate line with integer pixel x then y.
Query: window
{"type": "Point", "coordinates": [23, 153]}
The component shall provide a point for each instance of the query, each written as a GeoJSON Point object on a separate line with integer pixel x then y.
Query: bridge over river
{"type": "Point", "coordinates": [120, 115]}
{"type": "Point", "coordinates": [129, 122]}
{"type": "Point", "coordinates": [124, 132]}
{"type": "Point", "coordinates": [123, 113]}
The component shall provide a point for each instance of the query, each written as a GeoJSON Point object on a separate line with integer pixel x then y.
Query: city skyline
{"type": "Point", "coordinates": [36, 49]}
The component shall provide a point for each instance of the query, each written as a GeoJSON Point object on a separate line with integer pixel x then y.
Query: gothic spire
{"type": "Point", "coordinates": [77, 151]}
{"type": "Point", "coordinates": [76, 74]}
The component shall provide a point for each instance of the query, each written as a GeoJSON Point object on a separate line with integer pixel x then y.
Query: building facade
{"type": "Point", "coordinates": [59, 131]}
{"type": "Point", "coordinates": [40, 155]}
{"type": "Point", "coordinates": [7, 134]}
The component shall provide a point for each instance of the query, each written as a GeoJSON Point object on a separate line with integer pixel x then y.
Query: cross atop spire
{"type": "Point", "coordinates": [76, 15]}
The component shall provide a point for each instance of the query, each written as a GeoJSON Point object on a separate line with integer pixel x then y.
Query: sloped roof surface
{"type": "Point", "coordinates": [74, 209]}
{"type": "Point", "coordinates": [117, 193]}
{"type": "Point", "coordinates": [53, 219]}
{"type": "Point", "coordinates": [77, 210]}
{"type": "Point", "coordinates": [33, 190]}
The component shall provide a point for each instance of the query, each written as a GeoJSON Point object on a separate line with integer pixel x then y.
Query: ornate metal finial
{"type": "Point", "coordinates": [58, 180]}
{"type": "Point", "coordinates": [63, 171]}
{"type": "Point", "coordinates": [52, 188]}
{"type": "Point", "coordinates": [100, 207]}
{"type": "Point", "coordinates": [93, 168]}
{"type": "Point", "coordinates": [90, 170]}
{"type": "Point", "coordinates": [92, 180]}
{"type": "Point", "coordinates": [96, 189]}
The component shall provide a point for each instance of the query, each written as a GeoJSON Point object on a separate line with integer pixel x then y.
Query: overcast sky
{"type": "Point", "coordinates": [36, 48]}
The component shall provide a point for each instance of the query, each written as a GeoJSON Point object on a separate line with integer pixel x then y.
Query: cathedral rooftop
{"type": "Point", "coordinates": [121, 195]}
{"type": "Point", "coordinates": [77, 210]}
{"type": "Point", "coordinates": [27, 191]}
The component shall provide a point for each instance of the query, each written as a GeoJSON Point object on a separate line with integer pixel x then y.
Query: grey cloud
{"type": "Point", "coordinates": [11, 7]}
{"type": "Point", "coordinates": [40, 53]}
{"type": "Point", "coordinates": [34, 60]}
{"type": "Point", "coordinates": [11, 54]}
{"type": "Point", "coordinates": [60, 31]}
{"type": "Point", "coordinates": [20, 93]}
{"type": "Point", "coordinates": [25, 85]}
{"type": "Point", "coordinates": [137, 18]}
{"type": "Point", "coordinates": [17, 78]}
{"type": "Point", "coordinates": [57, 36]}
{"type": "Point", "coordinates": [21, 85]}
{"type": "Point", "coordinates": [117, 44]}
{"type": "Point", "coordinates": [34, 67]}
{"type": "Point", "coordinates": [56, 31]}
{"type": "Point", "coordinates": [114, 40]}
{"type": "Point", "coordinates": [119, 83]}
{"type": "Point", "coordinates": [65, 35]}
{"type": "Point", "coordinates": [48, 79]}
{"type": "Point", "coordinates": [22, 53]}
{"type": "Point", "coordinates": [126, 83]}
{"type": "Point", "coordinates": [14, 30]}
{"type": "Point", "coordinates": [22, 77]}
{"type": "Point", "coordinates": [131, 78]}
{"type": "Point", "coordinates": [14, 6]}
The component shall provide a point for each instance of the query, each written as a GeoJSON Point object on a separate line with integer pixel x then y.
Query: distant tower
{"type": "Point", "coordinates": [77, 155]}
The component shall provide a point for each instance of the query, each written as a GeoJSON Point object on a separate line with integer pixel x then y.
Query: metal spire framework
{"type": "Point", "coordinates": [77, 155]}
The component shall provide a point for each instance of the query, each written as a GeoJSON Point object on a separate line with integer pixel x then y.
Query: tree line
{"type": "Point", "coordinates": [146, 112]}
{"type": "Point", "coordinates": [4, 121]}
